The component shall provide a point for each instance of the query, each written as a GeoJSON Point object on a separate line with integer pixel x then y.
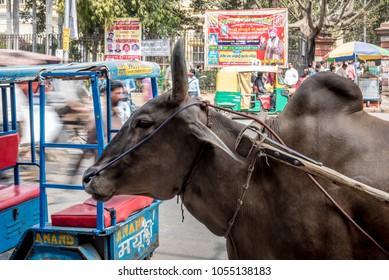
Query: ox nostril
{"type": "Point", "coordinates": [87, 178]}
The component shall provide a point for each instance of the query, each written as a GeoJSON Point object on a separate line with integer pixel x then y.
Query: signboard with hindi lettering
{"type": "Point", "coordinates": [156, 47]}
{"type": "Point", "coordinates": [123, 40]}
{"type": "Point", "coordinates": [65, 39]}
{"type": "Point", "coordinates": [138, 236]}
{"type": "Point", "coordinates": [244, 36]}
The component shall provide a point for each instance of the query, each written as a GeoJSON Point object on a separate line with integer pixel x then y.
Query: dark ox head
{"type": "Point", "coordinates": [158, 167]}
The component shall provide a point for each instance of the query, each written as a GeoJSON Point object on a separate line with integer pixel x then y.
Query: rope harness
{"type": "Point", "coordinates": [253, 157]}
{"type": "Point", "coordinates": [89, 176]}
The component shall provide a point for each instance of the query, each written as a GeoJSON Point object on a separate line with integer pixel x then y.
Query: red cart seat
{"type": "Point", "coordinates": [84, 215]}
{"type": "Point", "coordinates": [9, 147]}
{"type": "Point", "coordinates": [13, 195]}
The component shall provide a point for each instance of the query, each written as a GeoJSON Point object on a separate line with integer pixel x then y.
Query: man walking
{"type": "Point", "coordinates": [291, 75]}
{"type": "Point", "coordinates": [342, 71]}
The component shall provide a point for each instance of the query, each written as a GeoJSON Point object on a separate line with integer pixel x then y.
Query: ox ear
{"type": "Point", "coordinates": [202, 132]}
{"type": "Point", "coordinates": [179, 72]}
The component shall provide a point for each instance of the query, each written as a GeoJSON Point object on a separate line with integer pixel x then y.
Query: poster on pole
{"type": "Point", "coordinates": [123, 40]}
{"type": "Point", "coordinates": [241, 37]}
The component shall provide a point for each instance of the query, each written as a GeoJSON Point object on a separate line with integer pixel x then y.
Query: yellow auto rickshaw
{"type": "Point", "coordinates": [235, 89]}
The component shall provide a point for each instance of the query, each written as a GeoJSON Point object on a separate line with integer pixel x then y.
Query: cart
{"type": "Point", "coordinates": [235, 90]}
{"type": "Point", "coordinates": [370, 87]}
{"type": "Point", "coordinates": [125, 227]}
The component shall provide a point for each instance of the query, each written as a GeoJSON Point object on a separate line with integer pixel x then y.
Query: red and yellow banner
{"type": "Point", "coordinates": [241, 37]}
{"type": "Point", "coordinates": [123, 40]}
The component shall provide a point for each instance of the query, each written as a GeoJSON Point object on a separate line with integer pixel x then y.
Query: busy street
{"type": "Point", "coordinates": [198, 139]}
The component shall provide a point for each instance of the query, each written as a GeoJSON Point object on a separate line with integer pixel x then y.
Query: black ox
{"type": "Point", "coordinates": [283, 216]}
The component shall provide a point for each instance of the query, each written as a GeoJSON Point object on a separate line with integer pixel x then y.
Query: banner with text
{"type": "Point", "coordinates": [123, 40]}
{"type": "Point", "coordinates": [242, 37]}
{"type": "Point", "coordinates": [156, 47]}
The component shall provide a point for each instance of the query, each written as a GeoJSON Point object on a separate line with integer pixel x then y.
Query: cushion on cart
{"type": "Point", "coordinates": [9, 147]}
{"type": "Point", "coordinates": [84, 215]}
{"type": "Point", "coordinates": [16, 194]}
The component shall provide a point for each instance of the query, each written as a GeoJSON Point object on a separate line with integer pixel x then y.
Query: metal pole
{"type": "Point", "coordinates": [66, 25]}
{"type": "Point", "coordinates": [364, 23]}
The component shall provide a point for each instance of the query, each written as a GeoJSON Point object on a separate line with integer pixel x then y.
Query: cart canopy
{"type": "Point", "coordinates": [116, 70]}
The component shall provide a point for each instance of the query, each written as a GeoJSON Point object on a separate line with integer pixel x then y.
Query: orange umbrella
{"type": "Point", "coordinates": [20, 58]}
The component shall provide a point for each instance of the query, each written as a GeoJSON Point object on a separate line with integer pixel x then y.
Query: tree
{"type": "Point", "coordinates": [312, 17]}
{"type": "Point", "coordinates": [49, 16]}
{"type": "Point", "coordinates": [9, 16]}
{"type": "Point", "coordinates": [15, 17]}
{"type": "Point", "coordinates": [38, 15]}
{"type": "Point", "coordinates": [159, 18]}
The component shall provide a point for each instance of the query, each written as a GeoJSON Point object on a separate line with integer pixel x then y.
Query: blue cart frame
{"type": "Point", "coordinates": [44, 241]}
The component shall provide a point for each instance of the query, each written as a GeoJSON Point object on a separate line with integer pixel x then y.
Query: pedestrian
{"type": "Point", "coordinates": [361, 69]}
{"type": "Point", "coordinates": [332, 68]}
{"type": "Point", "coordinates": [199, 69]}
{"type": "Point", "coordinates": [168, 78]}
{"type": "Point", "coordinates": [129, 85]}
{"type": "Point", "coordinates": [194, 86]}
{"type": "Point", "coordinates": [120, 103]}
{"type": "Point", "coordinates": [291, 75]}
{"type": "Point", "coordinates": [147, 89]}
{"type": "Point", "coordinates": [342, 71]}
{"type": "Point", "coordinates": [318, 68]}
{"type": "Point", "coordinates": [350, 70]}
{"type": "Point", "coordinates": [303, 77]}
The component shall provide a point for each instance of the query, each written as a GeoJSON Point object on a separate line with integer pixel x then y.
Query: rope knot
{"type": "Point", "coordinates": [205, 104]}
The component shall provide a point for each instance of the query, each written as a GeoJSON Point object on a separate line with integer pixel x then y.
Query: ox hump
{"type": "Point", "coordinates": [325, 93]}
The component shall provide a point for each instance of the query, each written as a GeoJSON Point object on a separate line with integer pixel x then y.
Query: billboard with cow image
{"type": "Point", "coordinates": [241, 37]}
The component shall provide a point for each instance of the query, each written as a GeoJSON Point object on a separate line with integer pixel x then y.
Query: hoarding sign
{"type": "Point", "coordinates": [123, 40]}
{"type": "Point", "coordinates": [240, 37]}
{"type": "Point", "coordinates": [156, 47]}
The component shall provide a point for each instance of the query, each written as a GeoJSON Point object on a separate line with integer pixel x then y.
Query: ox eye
{"type": "Point", "coordinates": [144, 124]}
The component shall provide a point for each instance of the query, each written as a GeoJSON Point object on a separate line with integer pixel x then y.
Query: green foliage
{"type": "Point", "coordinates": [26, 15]}
{"type": "Point", "coordinates": [159, 18]}
{"type": "Point", "coordinates": [378, 14]}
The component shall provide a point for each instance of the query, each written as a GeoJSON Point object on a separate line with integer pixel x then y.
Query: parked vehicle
{"type": "Point", "coordinates": [122, 228]}
{"type": "Point", "coordinates": [235, 89]}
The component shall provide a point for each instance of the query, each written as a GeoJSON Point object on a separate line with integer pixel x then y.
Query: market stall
{"type": "Point", "coordinates": [369, 81]}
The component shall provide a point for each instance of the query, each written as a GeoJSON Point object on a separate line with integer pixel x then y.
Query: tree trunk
{"type": "Point", "coordinates": [15, 22]}
{"type": "Point", "coordinates": [49, 16]}
{"type": "Point", "coordinates": [311, 49]}
{"type": "Point", "coordinates": [9, 23]}
{"type": "Point", "coordinates": [9, 16]}
{"type": "Point", "coordinates": [34, 26]}
{"type": "Point", "coordinates": [49, 24]}
{"type": "Point", "coordinates": [15, 17]}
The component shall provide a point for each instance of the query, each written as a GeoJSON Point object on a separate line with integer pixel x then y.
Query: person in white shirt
{"type": "Point", "coordinates": [291, 75]}
{"type": "Point", "coordinates": [194, 86]}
